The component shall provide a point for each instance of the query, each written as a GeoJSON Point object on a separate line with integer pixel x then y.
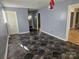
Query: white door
{"type": "Point", "coordinates": [12, 22]}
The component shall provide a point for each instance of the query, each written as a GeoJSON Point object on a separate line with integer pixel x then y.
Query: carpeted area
{"type": "Point", "coordinates": [43, 46]}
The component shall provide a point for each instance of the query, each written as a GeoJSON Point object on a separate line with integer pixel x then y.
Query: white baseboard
{"type": "Point", "coordinates": [54, 36]}
{"type": "Point", "coordinates": [6, 50]}
{"type": "Point", "coordinates": [20, 33]}
{"type": "Point", "coordinates": [23, 32]}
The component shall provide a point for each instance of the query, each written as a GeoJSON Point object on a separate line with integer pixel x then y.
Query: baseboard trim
{"type": "Point", "coordinates": [6, 50]}
{"type": "Point", "coordinates": [23, 32]}
{"type": "Point", "coordinates": [54, 36]}
{"type": "Point", "coordinates": [19, 33]}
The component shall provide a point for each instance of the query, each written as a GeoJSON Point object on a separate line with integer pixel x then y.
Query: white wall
{"type": "Point", "coordinates": [3, 35]}
{"type": "Point", "coordinates": [22, 16]}
{"type": "Point", "coordinates": [55, 21]}
{"type": "Point", "coordinates": [23, 27]}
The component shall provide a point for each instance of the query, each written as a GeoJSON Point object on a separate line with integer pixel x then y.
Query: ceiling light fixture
{"type": "Point", "coordinates": [29, 17]}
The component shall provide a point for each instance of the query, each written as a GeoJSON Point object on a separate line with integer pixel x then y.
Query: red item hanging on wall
{"type": "Point", "coordinates": [52, 3]}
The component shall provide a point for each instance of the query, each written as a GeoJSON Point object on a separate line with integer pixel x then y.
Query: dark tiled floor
{"type": "Point", "coordinates": [40, 47]}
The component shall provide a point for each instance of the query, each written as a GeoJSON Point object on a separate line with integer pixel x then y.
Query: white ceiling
{"type": "Point", "coordinates": [35, 4]}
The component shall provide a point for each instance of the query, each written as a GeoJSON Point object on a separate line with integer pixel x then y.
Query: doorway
{"type": "Point", "coordinates": [12, 22]}
{"type": "Point", "coordinates": [73, 34]}
{"type": "Point", "coordinates": [34, 21]}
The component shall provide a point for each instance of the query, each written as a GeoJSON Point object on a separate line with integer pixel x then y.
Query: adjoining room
{"type": "Point", "coordinates": [74, 24]}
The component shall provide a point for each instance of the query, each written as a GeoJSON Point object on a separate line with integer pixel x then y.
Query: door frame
{"type": "Point", "coordinates": [68, 18]}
